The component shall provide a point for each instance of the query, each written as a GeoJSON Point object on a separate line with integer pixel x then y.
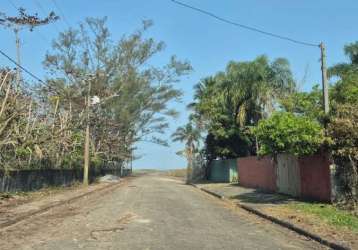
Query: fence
{"type": "Point", "coordinates": [315, 176]}
{"type": "Point", "coordinates": [306, 177]}
{"type": "Point", "coordinates": [29, 180]}
{"type": "Point", "coordinates": [223, 171]}
{"type": "Point", "coordinates": [257, 172]}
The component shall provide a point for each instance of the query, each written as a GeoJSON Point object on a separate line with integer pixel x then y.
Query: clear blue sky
{"type": "Point", "coordinates": [207, 43]}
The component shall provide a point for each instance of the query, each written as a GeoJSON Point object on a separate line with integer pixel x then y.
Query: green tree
{"type": "Point", "coordinates": [305, 103]}
{"type": "Point", "coordinates": [343, 124]}
{"type": "Point", "coordinates": [343, 130]}
{"type": "Point", "coordinates": [135, 94]}
{"type": "Point", "coordinates": [191, 136]}
{"type": "Point", "coordinates": [343, 69]}
{"type": "Point", "coordinates": [231, 101]}
{"type": "Point", "coordinates": [288, 133]}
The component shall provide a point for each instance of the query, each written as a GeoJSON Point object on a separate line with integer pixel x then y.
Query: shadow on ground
{"type": "Point", "coordinates": [260, 197]}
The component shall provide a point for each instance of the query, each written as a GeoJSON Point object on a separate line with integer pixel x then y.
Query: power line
{"type": "Point", "coordinates": [42, 36]}
{"type": "Point", "coordinates": [244, 26]}
{"type": "Point", "coordinates": [61, 12]}
{"type": "Point", "coordinates": [42, 9]}
{"type": "Point", "coordinates": [12, 4]}
{"type": "Point", "coordinates": [21, 67]}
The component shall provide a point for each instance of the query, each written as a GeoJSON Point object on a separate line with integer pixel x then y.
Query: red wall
{"type": "Point", "coordinates": [257, 173]}
{"type": "Point", "coordinates": [315, 177]}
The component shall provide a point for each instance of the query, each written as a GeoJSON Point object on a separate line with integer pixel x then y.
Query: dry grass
{"type": "Point", "coordinates": [322, 219]}
{"type": "Point", "coordinates": [180, 173]}
{"type": "Point", "coordinates": [10, 199]}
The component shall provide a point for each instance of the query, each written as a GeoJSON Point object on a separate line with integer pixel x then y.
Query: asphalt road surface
{"type": "Point", "coordinates": [150, 212]}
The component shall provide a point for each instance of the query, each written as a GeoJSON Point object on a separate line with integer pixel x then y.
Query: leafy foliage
{"type": "Point", "coordinates": [343, 69]}
{"type": "Point", "coordinates": [135, 93]}
{"type": "Point", "coordinates": [287, 133]}
{"type": "Point", "coordinates": [229, 102]}
{"type": "Point", "coordinates": [305, 103]}
{"type": "Point", "coordinates": [343, 129]}
{"type": "Point", "coordinates": [190, 135]}
{"type": "Point", "coordinates": [45, 127]}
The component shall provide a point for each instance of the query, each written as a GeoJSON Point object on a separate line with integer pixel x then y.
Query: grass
{"type": "Point", "coordinates": [40, 192]}
{"type": "Point", "coordinates": [177, 173]}
{"type": "Point", "coordinates": [329, 214]}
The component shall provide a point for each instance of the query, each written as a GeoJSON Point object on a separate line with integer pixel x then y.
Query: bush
{"type": "Point", "coordinates": [287, 133]}
{"type": "Point", "coordinates": [343, 130]}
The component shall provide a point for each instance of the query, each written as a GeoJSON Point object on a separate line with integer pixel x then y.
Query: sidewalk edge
{"type": "Point", "coordinates": [277, 221]}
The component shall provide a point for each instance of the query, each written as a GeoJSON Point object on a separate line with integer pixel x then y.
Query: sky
{"type": "Point", "coordinates": [207, 43]}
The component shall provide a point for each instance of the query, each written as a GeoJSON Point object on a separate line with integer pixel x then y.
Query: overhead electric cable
{"type": "Point", "coordinates": [21, 67]}
{"type": "Point", "coordinates": [42, 9]}
{"type": "Point", "coordinates": [12, 4]}
{"type": "Point", "coordinates": [61, 12]}
{"type": "Point", "coordinates": [42, 36]}
{"type": "Point", "coordinates": [244, 26]}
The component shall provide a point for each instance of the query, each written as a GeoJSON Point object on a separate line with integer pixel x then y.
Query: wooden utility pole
{"type": "Point", "coordinates": [17, 23]}
{"type": "Point", "coordinates": [86, 154]}
{"type": "Point", "coordinates": [324, 78]}
{"type": "Point", "coordinates": [131, 161]}
{"type": "Point", "coordinates": [87, 136]}
{"type": "Point", "coordinates": [18, 58]}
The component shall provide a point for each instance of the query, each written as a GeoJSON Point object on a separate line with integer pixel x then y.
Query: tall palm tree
{"type": "Point", "coordinates": [191, 136]}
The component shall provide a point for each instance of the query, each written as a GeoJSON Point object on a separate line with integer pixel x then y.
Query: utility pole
{"type": "Point", "coordinates": [18, 59]}
{"type": "Point", "coordinates": [17, 23]}
{"type": "Point", "coordinates": [87, 137]}
{"type": "Point", "coordinates": [324, 78]}
{"type": "Point", "coordinates": [89, 102]}
{"type": "Point", "coordinates": [131, 161]}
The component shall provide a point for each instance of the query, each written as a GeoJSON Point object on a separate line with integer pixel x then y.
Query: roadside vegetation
{"type": "Point", "coordinates": [180, 173]}
{"type": "Point", "coordinates": [256, 108]}
{"type": "Point", "coordinates": [8, 199]}
{"type": "Point", "coordinates": [42, 125]}
{"type": "Point", "coordinates": [328, 214]}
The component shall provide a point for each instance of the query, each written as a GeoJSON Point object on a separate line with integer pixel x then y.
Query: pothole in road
{"type": "Point", "coordinates": [124, 220]}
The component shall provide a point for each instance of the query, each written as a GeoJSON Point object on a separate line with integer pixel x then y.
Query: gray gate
{"type": "Point", "coordinates": [288, 175]}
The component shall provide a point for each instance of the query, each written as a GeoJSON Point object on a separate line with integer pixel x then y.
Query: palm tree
{"type": "Point", "coordinates": [191, 136]}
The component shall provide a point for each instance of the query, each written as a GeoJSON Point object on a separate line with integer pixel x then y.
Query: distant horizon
{"type": "Point", "coordinates": [207, 43]}
{"type": "Point", "coordinates": [149, 168]}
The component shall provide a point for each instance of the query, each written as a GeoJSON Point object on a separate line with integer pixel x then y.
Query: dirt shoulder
{"type": "Point", "coordinates": [325, 220]}
{"type": "Point", "coordinates": [18, 206]}
{"type": "Point", "coordinates": [314, 222]}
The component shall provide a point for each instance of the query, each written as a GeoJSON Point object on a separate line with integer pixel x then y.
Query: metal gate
{"type": "Point", "coordinates": [288, 175]}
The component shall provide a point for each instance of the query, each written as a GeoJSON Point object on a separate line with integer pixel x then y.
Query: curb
{"type": "Point", "coordinates": [277, 221]}
{"type": "Point", "coordinates": [54, 204]}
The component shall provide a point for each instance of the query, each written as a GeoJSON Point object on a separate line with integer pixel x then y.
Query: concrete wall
{"type": "Point", "coordinates": [307, 177]}
{"type": "Point", "coordinates": [315, 177]}
{"type": "Point", "coordinates": [257, 173]}
{"type": "Point", "coordinates": [29, 180]}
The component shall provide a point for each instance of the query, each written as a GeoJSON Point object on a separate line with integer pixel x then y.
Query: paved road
{"type": "Point", "coordinates": [151, 212]}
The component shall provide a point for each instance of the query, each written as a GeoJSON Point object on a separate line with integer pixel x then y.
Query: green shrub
{"type": "Point", "coordinates": [287, 133]}
{"type": "Point", "coordinates": [343, 131]}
